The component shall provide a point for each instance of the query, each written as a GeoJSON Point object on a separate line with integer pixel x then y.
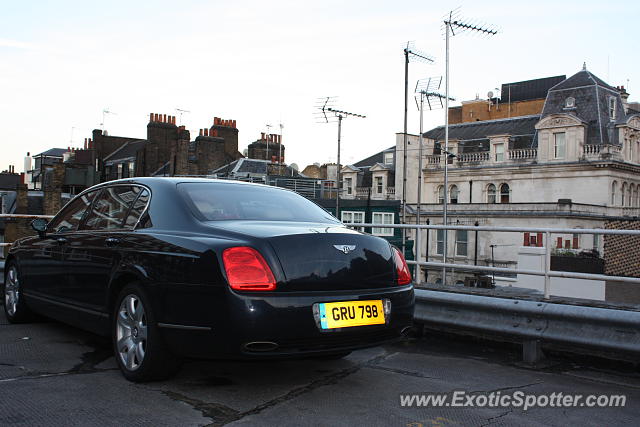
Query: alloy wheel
{"type": "Point", "coordinates": [11, 291]}
{"type": "Point", "coordinates": [131, 332]}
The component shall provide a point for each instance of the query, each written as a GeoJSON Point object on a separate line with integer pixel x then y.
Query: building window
{"type": "Point", "coordinates": [623, 190]}
{"type": "Point", "coordinates": [382, 218]}
{"type": "Point", "coordinates": [559, 145]}
{"type": "Point", "coordinates": [352, 217]}
{"type": "Point", "coordinates": [499, 152]}
{"type": "Point", "coordinates": [453, 194]}
{"type": "Point", "coordinates": [491, 194]}
{"type": "Point", "coordinates": [612, 107]}
{"type": "Point", "coordinates": [630, 198]}
{"type": "Point", "coordinates": [439, 242]}
{"type": "Point", "coordinates": [125, 170]}
{"type": "Point", "coordinates": [379, 184]}
{"type": "Point", "coordinates": [388, 158]}
{"type": "Point", "coordinates": [504, 193]}
{"type": "Point", "coordinates": [614, 190]}
{"type": "Point", "coordinates": [441, 194]}
{"type": "Point", "coordinates": [461, 242]}
{"type": "Point", "coordinates": [132, 169]}
{"type": "Point", "coordinates": [347, 184]}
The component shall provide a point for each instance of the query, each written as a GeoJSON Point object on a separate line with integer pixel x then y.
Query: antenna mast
{"type": "Point", "coordinates": [426, 90]}
{"type": "Point", "coordinates": [327, 112]}
{"type": "Point", "coordinates": [180, 111]}
{"type": "Point", "coordinates": [104, 113]}
{"type": "Point", "coordinates": [410, 53]}
{"type": "Point", "coordinates": [452, 23]}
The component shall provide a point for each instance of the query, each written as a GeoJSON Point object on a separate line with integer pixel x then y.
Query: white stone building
{"type": "Point", "coordinates": [574, 165]}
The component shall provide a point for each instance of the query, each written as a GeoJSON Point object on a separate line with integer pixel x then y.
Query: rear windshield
{"type": "Point", "coordinates": [228, 201]}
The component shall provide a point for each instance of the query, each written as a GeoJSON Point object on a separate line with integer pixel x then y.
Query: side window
{"type": "Point", "coordinates": [70, 217]}
{"type": "Point", "coordinates": [109, 210]}
{"type": "Point", "coordinates": [138, 207]}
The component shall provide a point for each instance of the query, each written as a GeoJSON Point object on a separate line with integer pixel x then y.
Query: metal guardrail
{"type": "Point", "coordinates": [587, 328]}
{"type": "Point", "coordinates": [546, 272]}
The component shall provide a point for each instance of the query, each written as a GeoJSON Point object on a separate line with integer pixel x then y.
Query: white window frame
{"type": "Point", "coordinates": [612, 107]}
{"type": "Point", "coordinates": [439, 242]}
{"type": "Point", "coordinates": [388, 158]}
{"type": "Point", "coordinates": [457, 193]}
{"type": "Point", "coordinates": [382, 218]}
{"type": "Point", "coordinates": [492, 194]}
{"type": "Point", "coordinates": [349, 217]}
{"type": "Point", "coordinates": [499, 154]}
{"type": "Point", "coordinates": [462, 243]}
{"type": "Point", "coordinates": [556, 146]}
{"type": "Point", "coordinates": [348, 183]}
{"type": "Point", "coordinates": [379, 185]}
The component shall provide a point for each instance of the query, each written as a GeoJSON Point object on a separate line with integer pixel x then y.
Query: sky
{"type": "Point", "coordinates": [267, 63]}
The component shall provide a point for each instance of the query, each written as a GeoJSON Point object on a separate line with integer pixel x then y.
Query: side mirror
{"type": "Point", "coordinates": [40, 225]}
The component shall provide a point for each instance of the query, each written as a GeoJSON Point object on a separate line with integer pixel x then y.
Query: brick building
{"type": "Point", "coordinates": [268, 147]}
{"type": "Point", "coordinates": [168, 150]}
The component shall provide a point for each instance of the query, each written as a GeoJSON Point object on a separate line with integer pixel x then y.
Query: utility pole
{"type": "Point", "coordinates": [328, 112]}
{"type": "Point", "coordinates": [452, 23]}
{"type": "Point", "coordinates": [409, 53]}
{"type": "Point", "coordinates": [426, 90]}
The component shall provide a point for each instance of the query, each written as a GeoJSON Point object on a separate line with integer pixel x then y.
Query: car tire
{"type": "Point", "coordinates": [15, 308]}
{"type": "Point", "coordinates": [140, 351]}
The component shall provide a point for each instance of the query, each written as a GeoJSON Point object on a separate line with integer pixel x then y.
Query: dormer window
{"type": "Point", "coordinates": [612, 107]}
{"type": "Point", "coordinates": [570, 102]}
{"type": "Point", "coordinates": [388, 158]}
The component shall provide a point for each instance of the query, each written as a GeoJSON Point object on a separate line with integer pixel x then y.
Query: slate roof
{"type": "Point", "coordinates": [9, 181]}
{"type": "Point", "coordinates": [591, 96]}
{"type": "Point", "coordinates": [127, 151]}
{"type": "Point", "coordinates": [473, 136]}
{"type": "Point", "coordinates": [529, 89]}
{"type": "Point", "coordinates": [246, 166]}
{"type": "Point", "coordinates": [376, 158]}
{"type": "Point", "coordinates": [52, 152]}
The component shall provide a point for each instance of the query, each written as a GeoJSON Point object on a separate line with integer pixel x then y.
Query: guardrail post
{"type": "Point", "coordinates": [547, 264]}
{"type": "Point", "coordinates": [418, 275]}
{"type": "Point", "coordinates": [532, 351]}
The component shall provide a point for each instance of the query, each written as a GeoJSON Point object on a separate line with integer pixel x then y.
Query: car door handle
{"type": "Point", "coordinates": [61, 240]}
{"type": "Point", "coordinates": [111, 241]}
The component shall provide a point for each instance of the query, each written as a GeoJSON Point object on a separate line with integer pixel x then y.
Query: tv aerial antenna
{"type": "Point", "coordinates": [453, 23]}
{"type": "Point", "coordinates": [105, 112]}
{"type": "Point", "coordinates": [328, 112]}
{"type": "Point", "coordinates": [180, 112]}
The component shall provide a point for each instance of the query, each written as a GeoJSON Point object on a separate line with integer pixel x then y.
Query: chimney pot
{"type": "Point", "coordinates": [150, 117]}
{"type": "Point", "coordinates": [201, 132]}
{"type": "Point", "coordinates": [206, 132]}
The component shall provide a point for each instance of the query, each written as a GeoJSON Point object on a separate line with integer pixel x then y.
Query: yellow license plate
{"type": "Point", "coordinates": [351, 313]}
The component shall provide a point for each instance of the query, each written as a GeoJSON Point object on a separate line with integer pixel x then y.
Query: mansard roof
{"type": "Point", "coordinates": [591, 95]}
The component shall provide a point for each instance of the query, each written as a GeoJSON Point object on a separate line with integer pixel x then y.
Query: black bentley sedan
{"type": "Point", "coordinates": [173, 268]}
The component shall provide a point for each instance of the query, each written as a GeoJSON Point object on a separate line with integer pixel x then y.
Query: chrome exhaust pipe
{"type": "Point", "coordinates": [260, 346]}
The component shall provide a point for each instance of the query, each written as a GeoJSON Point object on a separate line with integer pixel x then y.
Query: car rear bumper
{"type": "Point", "coordinates": [283, 325]}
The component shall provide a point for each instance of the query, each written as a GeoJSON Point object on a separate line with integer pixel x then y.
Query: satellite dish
{"type": "Point", "coordinates": [294, 166]}
{"type": "Point", "coordinates": [490, 94]}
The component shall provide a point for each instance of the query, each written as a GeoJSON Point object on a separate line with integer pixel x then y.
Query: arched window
{"type": "Point", "coordinates": [630, 198]}
{"type": "Point", "coordinates": [636, 200]}
{"type": "Point", "coordinates": [491, 194]}
{"type": "Point", "coordinates": [614, 190]}
{"type": "Point", "coordinates": [441, 194]}
{"type": "Point", "coordinates": [623, 193]}
{"type": "Point", "coordinates": [504, 193]}
{"type": "Point", "coordinates": [453, 194]}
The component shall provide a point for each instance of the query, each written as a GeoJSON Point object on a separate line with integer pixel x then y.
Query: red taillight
{"type": "Point", "coordinates": [402, 269]}
{"type": "Point", "coordinates": [247, 270]}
